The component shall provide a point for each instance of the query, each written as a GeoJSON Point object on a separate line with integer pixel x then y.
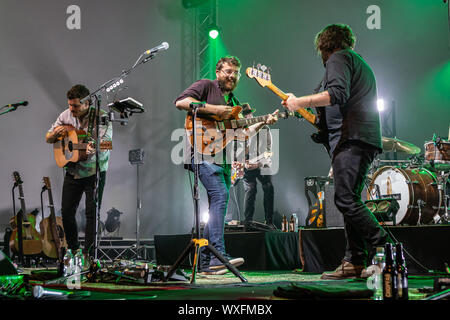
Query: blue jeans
{"type": "Point", "coordinates": [217, 182]}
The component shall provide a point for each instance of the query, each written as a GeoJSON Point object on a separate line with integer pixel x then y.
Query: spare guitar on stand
{"type": "Point", "coordinates": [54, 242]}
{"type": "Point", "coordinates": [25, 240]}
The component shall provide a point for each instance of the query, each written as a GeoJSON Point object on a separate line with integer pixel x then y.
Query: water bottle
{"type": "Point", "coordinates": [295, 222]}
{"type": "Point", "coordinates": [67, 263]}
{"type": "Point", "coordinates": [78, 261]}
{"type": "Point", "coordinates": [378, 266]}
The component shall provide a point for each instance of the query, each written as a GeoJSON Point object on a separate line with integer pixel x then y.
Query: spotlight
{"type": "Point", "coordinates": [380, 105]}
{"type": "Point", "coordinates": [213, 32]}
{"type": "Point", "coordinates": [112, 223]}
{"type": "Point", "coordinates": [205, 217]}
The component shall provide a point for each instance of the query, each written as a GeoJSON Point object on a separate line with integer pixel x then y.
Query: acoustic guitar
{"type": "Point", "coordinates": [25, 240]}
{"type": "Point", "coordinates": [72, 148]}
{"type": "Point", "coordinates": [214, 135]}
{"type": "Point", "coordinates": [52, 230]}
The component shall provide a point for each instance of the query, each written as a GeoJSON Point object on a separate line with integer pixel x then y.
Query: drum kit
{"type": "Point", "coordinates": [420, 184]}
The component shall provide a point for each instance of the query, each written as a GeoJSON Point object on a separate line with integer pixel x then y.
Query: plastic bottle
{"type": "Point", "coordinates": [293, 223]}
{"type": "Point", "coordinates": [67, 263]}
{"type": "Point", "coordinates": [378, 266]}
{"type": "Point", "coordinates": [79, 261]}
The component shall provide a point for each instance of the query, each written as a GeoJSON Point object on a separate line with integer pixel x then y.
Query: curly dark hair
{"type": "Point", "coordinates": [77, 91]}
{"type": "Point", "coordinates": [334, 36]}
{"type": "Point", "coordinates": [228, 59]}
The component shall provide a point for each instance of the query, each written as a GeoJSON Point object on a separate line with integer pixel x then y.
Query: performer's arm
{"type": "Point", "coordinates": [321, 99]}
{"type": "Point", "coordinates": [242, 134]}
{"type": "Point", "coordinates": [223, 112]}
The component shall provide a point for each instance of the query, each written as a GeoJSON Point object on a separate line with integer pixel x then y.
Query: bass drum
{"type": "Point", "coordinates": [411, 187]}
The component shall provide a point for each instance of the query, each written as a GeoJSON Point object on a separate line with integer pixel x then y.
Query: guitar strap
{"type": "Point", "coordinates": [90, 123]}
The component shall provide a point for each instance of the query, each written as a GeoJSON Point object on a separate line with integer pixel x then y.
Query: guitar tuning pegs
{"type": "Point", "coordinates": [263, 68]}
{"type": "Point", "coordinates": [258, 65]}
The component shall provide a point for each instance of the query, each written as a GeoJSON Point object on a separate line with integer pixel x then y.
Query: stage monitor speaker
{"type": "Point", "coordinates": [6, 266]}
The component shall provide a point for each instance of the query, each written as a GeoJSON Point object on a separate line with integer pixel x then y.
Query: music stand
{"type": "Point", "coordinates": [196, 242]}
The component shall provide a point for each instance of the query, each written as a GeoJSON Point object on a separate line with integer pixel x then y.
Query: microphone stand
{"type": "Point", "coordinates": [107, 86]}
{"type": "Point", "coordinates": [196, 243]}
{"type": "Point", "coordinates": [11, 109]}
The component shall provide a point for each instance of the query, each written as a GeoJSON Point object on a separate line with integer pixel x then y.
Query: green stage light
{"type": "Point", "coordinates": [213, 33]}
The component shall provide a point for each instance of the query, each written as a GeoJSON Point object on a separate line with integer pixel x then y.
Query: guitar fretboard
{"type": "Point", "coordinates": [240, 123]}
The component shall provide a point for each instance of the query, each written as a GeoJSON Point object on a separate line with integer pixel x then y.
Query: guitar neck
{"type": "Point", "coordinates": [311, 118]}
{"type": "Point", "coordinates": [22, 204]}
{"type": "Point", "coordinates": [50, 203]}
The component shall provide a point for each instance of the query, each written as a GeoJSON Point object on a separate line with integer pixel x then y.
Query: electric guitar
{"type": "Point", "coordinates": [52, 230]}
{"type": "Point", "coordinates": [262, 76]}
{"type": "Point", "coordinates": [237, 168]}
{"type": "Point", "coordinates": [213, 135]}
{"type": "Point", "coordinates": [25, 240]}
{"type": "Point", "coordinates": [71, 148]}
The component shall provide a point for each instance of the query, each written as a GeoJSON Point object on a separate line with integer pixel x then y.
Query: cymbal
{"type": "Point", "coordinates": [397, 145]}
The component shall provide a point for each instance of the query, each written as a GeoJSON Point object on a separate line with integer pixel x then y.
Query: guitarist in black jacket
{"type": "Point", "coordinates": [348, 111]}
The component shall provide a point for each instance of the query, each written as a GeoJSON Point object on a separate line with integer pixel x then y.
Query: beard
{"type": "Point", "coordinates": [227, 85]}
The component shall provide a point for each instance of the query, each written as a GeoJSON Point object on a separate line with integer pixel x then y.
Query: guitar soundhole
{"type": "Point", "coordinates": [70, 146]}
{"type": "Point", "coordinates": [60, 232]}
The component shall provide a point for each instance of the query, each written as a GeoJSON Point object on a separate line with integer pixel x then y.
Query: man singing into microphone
{"type": "Point", "coordinates": [216, 175]}
{"type": "Point", "coordinates": [80, 176]}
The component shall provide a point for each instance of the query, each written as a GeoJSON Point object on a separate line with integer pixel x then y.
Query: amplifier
{"type": "Point", "coordinates": [323, 212]}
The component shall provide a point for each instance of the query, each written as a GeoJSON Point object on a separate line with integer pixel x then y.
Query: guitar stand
{"type": "Point", "coordinates": [196, 244]}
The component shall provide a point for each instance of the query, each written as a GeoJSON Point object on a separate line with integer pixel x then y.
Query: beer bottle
{"type": "Point", "coordinates": [389, 275]}
{"type": "Point", "coordinates": [284, 224]}
{"type": "Point", "coordinates": [402, 273]}
{"type": "Point", "coordinates": [291, 224]}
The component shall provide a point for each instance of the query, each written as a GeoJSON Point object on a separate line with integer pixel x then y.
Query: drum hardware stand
{"type": "Point", "coordinates": [420, 205]}
{"type": "Point", "coordinates": [442, 180]}
{"type": "Point", "coordinates": [196, 243]}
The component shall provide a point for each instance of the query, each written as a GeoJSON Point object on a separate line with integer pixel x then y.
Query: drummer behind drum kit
{"type": "Point", "coordinates": [419, 184]}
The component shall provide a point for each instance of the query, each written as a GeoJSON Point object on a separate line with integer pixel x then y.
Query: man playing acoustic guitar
{"type": "Point", "coordinates": [80, 176]}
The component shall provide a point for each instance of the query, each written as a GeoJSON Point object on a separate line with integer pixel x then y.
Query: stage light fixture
{"type": "Point", "coordinates": [213, 32]}
{"type": "Point", "coordinates": [380, 105]}
{"type": "Point", "coordinates": [205, 217]}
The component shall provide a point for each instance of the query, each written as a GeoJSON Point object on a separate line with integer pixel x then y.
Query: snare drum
{"type": "Point", "coordinates": [411, 188]}
{"type": "Point", "coordinates": [438, 155]}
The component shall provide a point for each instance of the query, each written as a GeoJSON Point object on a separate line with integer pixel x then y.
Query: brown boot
{"type": "Point", "coordinates": [346, 270]}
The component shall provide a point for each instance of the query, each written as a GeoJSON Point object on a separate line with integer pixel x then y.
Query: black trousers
{"type": "Point", "coordinates": [250, 187]}
{"type": "Point", "coordinates": [363, 233]}
{"type": "Point", "coordinates": [72, 192]}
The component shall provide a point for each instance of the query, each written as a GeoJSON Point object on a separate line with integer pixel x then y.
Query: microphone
{"type": "Point", "coordinates": [163, 46]}
{"type": "Point", "coordinates": [40, 293]}
{"type": "Point", "coordinates": [15, 105]}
